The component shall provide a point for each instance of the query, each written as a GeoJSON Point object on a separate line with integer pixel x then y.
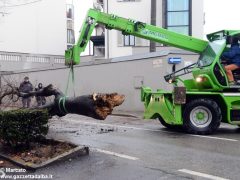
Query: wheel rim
{"type": "Point", "coordinates": [201, 116]}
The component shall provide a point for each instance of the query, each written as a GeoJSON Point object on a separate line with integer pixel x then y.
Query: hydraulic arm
{"type": "Point", "coordinates": [130, 27]}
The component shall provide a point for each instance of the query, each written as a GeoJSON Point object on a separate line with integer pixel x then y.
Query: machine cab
{"type": "Point", "coordinates": [210, 66]}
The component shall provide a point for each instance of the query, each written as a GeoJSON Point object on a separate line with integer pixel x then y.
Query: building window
{"type": "Point", "coordinates": [128, 0]}
{"type": "Point", "coordinates": [70, 11]}
{"type": "Point", "coordinates": [69, 46]}
{"type": "Point", "coordinates": [70, 24]}
{"type": "Point", "coordinates": [129, 40]}
{"type": "Point", "coordinates": [178, 16]}
{"type": "Point", "coordinates": [70, 36]}
{"type": "Point", "coordinates": [100, 2]}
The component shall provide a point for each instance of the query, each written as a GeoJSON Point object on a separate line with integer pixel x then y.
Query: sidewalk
{"type": "Point", "coordinates": [136, 114]}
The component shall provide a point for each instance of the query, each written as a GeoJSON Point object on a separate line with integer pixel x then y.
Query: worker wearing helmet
{"type": "Point", "coordinates": [233, 57]}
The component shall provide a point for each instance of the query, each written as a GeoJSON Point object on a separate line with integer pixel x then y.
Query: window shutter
{"type": "Point", "coordinates": [119, 38]}
{"type": "Point", "coordinates": [138, 41]}
{"type": "Point", "coordinates": [141, 42]}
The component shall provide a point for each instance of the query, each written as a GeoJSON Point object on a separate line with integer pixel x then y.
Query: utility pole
{"type": "Point", "coordinates": [153, 22]}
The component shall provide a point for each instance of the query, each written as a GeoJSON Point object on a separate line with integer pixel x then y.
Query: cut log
{"type": "Point", "coordinates": [97, 105]}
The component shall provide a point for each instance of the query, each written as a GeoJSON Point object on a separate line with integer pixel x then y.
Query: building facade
{"type": "Point", "coordinates": [36, 27]}
{"type": "Point", "coordinates": [183, 16]}
{"type": "Point", "coordinates": [70, 24]}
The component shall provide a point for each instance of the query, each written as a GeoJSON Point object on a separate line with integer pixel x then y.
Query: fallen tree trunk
{"type": "Point", "coordinates": [97, 106]}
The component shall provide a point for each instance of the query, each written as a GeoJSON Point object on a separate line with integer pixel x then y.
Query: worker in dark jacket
{"type": "Point", "coordinates": [25, 87]}
{"type": "Point", "coordinates": [41, 100]}
{"type": "Point", "coordinates": [233, 56]}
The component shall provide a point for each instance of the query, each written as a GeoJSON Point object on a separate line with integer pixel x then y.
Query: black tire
{"type": "Point", "coordinates": [204, 125]}
{"type": "Point", "coordinates": [169, 126]}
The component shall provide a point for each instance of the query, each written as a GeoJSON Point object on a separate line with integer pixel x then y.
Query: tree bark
{"type": "Point", "coordinates": [97, 106]}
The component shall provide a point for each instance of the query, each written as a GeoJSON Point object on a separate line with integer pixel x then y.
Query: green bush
{"type": "Point", "coordinates": [20, 127]}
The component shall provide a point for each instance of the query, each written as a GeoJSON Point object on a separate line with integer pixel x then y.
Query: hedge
{"type": "Point", "coordinates": [20, 127]}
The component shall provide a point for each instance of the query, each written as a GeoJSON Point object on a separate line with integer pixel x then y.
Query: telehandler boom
{"type": "Point", "coordinates": [198, 104]}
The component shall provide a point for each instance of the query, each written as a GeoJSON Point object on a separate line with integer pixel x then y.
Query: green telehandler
{"type": "Point", "coordinates": [198, 104]}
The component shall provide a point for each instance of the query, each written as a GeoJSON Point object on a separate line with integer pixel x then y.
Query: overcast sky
{"type": "Point", "coordinates": [219, 14]}
{"type": "Point", "coordinates": [81, 7]}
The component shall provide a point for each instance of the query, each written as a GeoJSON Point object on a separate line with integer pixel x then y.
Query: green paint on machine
{"type": "Point", "coordinates": [206, 100]}
{"type": "Point", "coordinates": [156, 35]}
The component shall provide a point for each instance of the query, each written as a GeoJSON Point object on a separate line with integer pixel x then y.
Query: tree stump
{"type": "Point", "coordinates": [97, 106]}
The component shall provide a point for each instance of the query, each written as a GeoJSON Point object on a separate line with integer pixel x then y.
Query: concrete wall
{"type": "Point", "coordinates": [197, 18]}
{"type": "Point", "coordinates": [22, 61]}
{"type": "Point", "coordinates": [123, 77]}
{"type": "Point", "coordinates": [35, 28]}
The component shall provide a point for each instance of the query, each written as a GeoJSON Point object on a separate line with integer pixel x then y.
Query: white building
{"type": "Point", "coordinates": [184, 16]}
{"type": "Point", "coordinates": [36, 27]}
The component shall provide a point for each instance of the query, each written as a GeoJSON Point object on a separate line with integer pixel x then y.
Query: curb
{"type": "Point", "coordinates": [77, 151]}
{"type": "Point", "coordinates": [125, 115]}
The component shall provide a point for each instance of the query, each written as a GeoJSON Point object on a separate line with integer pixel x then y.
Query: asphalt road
{"type": "Point", "coordinates": [131, 148]}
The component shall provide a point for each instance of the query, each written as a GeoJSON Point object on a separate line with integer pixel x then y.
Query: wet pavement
{"type": "Point", "coordinates": [123, 147]}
